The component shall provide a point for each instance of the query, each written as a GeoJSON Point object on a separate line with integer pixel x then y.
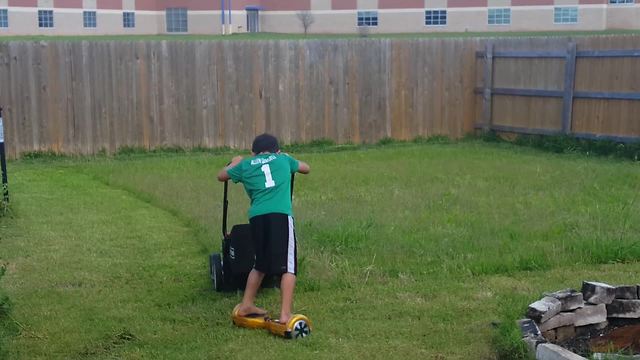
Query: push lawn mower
{"type": "Point", "coordinates": [230, 269]}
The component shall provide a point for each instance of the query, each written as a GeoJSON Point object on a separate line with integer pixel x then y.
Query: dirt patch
{"type": "Point", "coordinates": [109, 343]}
{"type": "Point", "coordinates": [624, 339]}
{"type": "Point", "coordinates": [620, 336]}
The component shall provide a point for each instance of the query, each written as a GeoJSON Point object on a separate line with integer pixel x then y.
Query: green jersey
{"type": "Point", "coordinates": [267, 181]}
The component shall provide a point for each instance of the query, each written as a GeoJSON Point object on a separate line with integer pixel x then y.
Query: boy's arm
{"type": "Point", "coordinates": [300, 166]}
{"type": "Point", "coordinates": [223, 175]}
{"type": "Point", "coordinates": [303, 167]}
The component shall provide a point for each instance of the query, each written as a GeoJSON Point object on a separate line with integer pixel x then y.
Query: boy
{"type": "Point", "coordinates": [266, 177]}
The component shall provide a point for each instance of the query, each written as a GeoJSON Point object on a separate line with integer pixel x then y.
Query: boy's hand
{"type": "Point", "coordinates": [235, 161]}
{"type": "Point", "coordinates": [303, 167]}
{"type": "Point", "coordinates": [223, 175]}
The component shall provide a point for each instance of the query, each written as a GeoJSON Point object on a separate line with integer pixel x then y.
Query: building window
{"type": "Point", "coordinates": [435, 17]}
{"type": "Point", "coordinates": [128, 19]}
{"type": "Point", "coordinates": [615, 2]}
{"type": "Point", "coordinates": [4, 18]}
{"type": "Point", "coordinates": [500, 16]}
{"type": "Point", "coordinates": [89, 19]}
{"type": "Point", "coordinates": [177, 20]}
{"type": "Point", "coordinates": [367, 18]}
{"type": "Point", "coordinates": [565, 15]}
{"type": "Point", "coordinates": [45, 18]}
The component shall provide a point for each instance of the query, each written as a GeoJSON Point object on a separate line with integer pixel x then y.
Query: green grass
{"type": "Point", "coordinates": [406, 250]}
{"type": "Point", "coordinates": [285, 36]}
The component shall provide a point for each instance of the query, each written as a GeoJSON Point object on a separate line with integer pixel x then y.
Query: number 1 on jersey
{"type": "Point", "coordinates": [267, 175]}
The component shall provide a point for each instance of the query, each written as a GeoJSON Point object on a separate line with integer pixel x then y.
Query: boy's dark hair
{"type": "Point", "coordinates": [265, 143]}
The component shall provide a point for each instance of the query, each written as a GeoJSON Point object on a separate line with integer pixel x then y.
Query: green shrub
{"type": "Point", "coordinates": [4, 205]}
{"type": "Point", "coordinates": [5, 304]}
{"type": "Point", "coordinates": [131, 150]}
{"type": "Point", "coordinates": [7, 325]}
{"type": "Point", "coordinates": [321, 144]}
{"type": "Point", "coordinates": [507, 339]}
{"type": "Point", "coordinates": [387, 141]}
{"type": "Point", "coordinates": [435, 139]}
{"type": "Point", "coordinates": [45, 155]}
{"type": "Point", "coordinates": [565, 144]}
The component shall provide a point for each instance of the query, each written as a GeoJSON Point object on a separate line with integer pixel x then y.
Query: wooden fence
{"type": "Point", "coordinates": [84, 97]}
{"type": "Point", "coordinates": [583, 87]}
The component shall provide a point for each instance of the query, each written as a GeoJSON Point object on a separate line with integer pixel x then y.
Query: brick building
{"type": "Point", "coordinates": [100, 17]}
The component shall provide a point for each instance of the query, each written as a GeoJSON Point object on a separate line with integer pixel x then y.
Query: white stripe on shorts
{"type": "Point", "coordinates": [291, 251]}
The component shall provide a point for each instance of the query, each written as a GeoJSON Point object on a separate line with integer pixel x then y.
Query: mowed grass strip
{"type": "Point", "coordinates": [410, 250]}
{"type": "Point", "coordinates": [93, 271]}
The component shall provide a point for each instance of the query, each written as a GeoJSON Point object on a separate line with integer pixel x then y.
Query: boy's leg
{"type": "Point", "coordinates": [251, 290]}
{"type": "Point", "coordinates": [258, 229]}
{"type": "Point", "coordinates": [287, 285]}
{"type": "Point", "coordinates": [290, 267]}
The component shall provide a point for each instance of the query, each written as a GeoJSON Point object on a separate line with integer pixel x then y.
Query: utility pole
{"type": "Point", "coordinates": [222, 12]}
{"type": "Point", "coordinates": [230, 22]}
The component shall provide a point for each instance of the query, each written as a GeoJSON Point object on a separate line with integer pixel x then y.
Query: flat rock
{"type": "Point", "coordinates": [555, 352]}
{"type": "Point", "coordinates": [561, 319]}
{"type": "Point", "coordinates": [528, 328]}
{"type": "Point", "coordinates": [627, 292]}
{"type": "Point", "coordinates": [532, 342]}
{"type": "Point", "coordinates": [569, 298]}
{"type": "Point", "coordinates": [629, 309]}
{"type": "Point", "coordinates": [586, 330]}
{"type": "Point", "coordinates": [544, 309]}
{"type": "Point", "coordinates": [598, 293]}
{"type": "Point", "coordinates": [565, 333]}
{"type": "Point", "coordinates": [590, 314]}
{"type": "Point", "coordinates": [550, 335]}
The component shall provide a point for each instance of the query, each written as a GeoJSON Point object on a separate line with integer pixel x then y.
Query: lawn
{"type": "Point", "coordinates": [424, 251]}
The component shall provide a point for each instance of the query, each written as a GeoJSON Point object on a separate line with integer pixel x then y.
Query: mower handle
{"type": "Point", "coordinates": [225, 203]}
{"type": "Point", "coordinates": [225, 206]}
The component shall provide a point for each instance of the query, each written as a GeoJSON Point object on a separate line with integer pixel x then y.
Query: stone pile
{"type": "Point", "coordinates": [564, 314]}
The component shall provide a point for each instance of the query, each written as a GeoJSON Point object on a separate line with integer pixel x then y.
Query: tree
{"type": "Point", "coordinates": [306, 18]}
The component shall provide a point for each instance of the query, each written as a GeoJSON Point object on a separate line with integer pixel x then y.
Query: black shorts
{"type": "Point", "coordinates": [274, 240]}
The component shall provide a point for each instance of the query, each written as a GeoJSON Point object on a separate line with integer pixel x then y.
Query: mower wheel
{"type": "Point", "coordinates": [215, 271]}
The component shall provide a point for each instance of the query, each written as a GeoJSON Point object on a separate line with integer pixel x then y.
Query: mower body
{"type": "Point", "coordinates": [230, 268]}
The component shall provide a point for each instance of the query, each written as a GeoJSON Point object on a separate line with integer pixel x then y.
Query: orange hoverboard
{"type": "Point", "coordinates": [298, 327]}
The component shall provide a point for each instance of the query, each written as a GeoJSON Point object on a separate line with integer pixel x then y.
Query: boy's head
{"type": "Point", "coordinates": [265, 143]}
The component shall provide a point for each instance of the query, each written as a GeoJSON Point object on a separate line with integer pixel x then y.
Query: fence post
{"type": "Point", "coordinates": [3, 164]}
{"type": "Point", "coordinates": [569, 87]}
{"type": "Point", "coordinates": [488, 85]}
